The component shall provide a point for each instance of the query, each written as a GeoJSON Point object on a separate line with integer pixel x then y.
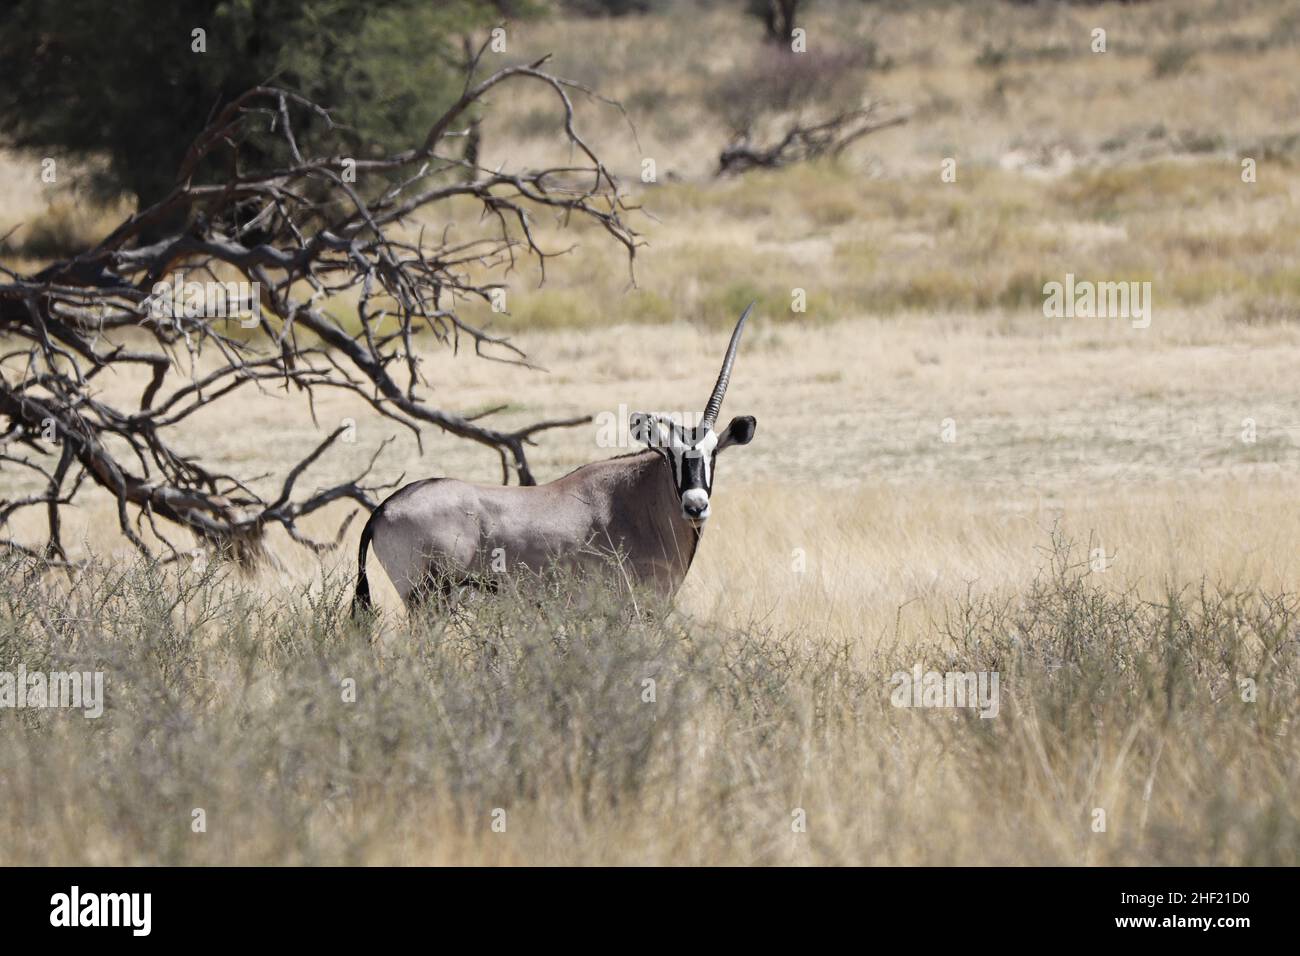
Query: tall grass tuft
{"type": "Point", "coordinates": [554, 722]}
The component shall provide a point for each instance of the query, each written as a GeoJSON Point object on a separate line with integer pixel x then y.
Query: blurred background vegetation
{"type": "Point", "coordinates": [123, 81]}
{"type": "Point", "coordinates": [1067, 160]}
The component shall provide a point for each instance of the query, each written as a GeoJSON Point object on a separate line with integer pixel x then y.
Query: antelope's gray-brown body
{"type": "Point", "coordinates": [442, 531]}
{"type": "Point", "coordinates": [638, 516]}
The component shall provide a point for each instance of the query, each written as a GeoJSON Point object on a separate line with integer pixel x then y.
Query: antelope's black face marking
{"type": "Point", "coordinates": [691, 454]}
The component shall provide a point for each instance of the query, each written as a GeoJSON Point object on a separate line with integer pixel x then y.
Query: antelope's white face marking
{"type": "Point", "coordinates": [692, 460]}
{"type": "Point", "coordinates": [691, 454]}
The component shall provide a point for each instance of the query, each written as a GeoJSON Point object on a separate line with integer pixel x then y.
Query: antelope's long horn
{"type": "Point", "coordinates": [720, 389]}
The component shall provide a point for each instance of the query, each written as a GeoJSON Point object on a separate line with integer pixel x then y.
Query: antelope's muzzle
{"type": "Point", "coordinates": [695, 506]}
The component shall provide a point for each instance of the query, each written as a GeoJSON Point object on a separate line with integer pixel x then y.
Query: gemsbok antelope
{"type": "Point", "coordinates": [645, 510]}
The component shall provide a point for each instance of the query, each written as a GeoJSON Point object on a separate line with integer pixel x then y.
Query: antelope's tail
{"type": "Point", "coordinates": [361, 599]}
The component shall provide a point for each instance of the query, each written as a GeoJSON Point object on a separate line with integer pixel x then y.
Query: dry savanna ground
{"type": "Point", "coordinates": [1104, 514]}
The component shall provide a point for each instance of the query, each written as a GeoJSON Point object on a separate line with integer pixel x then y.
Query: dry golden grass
{"type": "Point", "coordinates": [532, 711]}
{"type": "Point", "coordinates": [1132, 435]}
{"type": "Point", "coordinates": [849, 526]}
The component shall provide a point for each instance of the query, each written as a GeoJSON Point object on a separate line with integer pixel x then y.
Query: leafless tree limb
{"type": "Point", "coordinates": [805, 142]}
{"type": "Point", "coordinates": [297, 238]}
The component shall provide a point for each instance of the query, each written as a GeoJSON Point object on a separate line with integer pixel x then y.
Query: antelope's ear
{"type": "Point", "coordinates": [739, 432]}
{"type": "Point", "coordinates": [647, 429]}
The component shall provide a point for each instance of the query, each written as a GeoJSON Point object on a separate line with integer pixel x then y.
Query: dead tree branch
{"type": "Point", "coordinates": [287, 245]}
{"type": "Point", "coordinates": [801, 142]}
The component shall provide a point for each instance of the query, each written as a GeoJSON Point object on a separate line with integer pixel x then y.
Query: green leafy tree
{"type": "Point", "coordinates": [134, 81]}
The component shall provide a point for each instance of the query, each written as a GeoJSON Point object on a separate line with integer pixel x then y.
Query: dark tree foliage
{"type": "Point", "coordinates": [125, 80]}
